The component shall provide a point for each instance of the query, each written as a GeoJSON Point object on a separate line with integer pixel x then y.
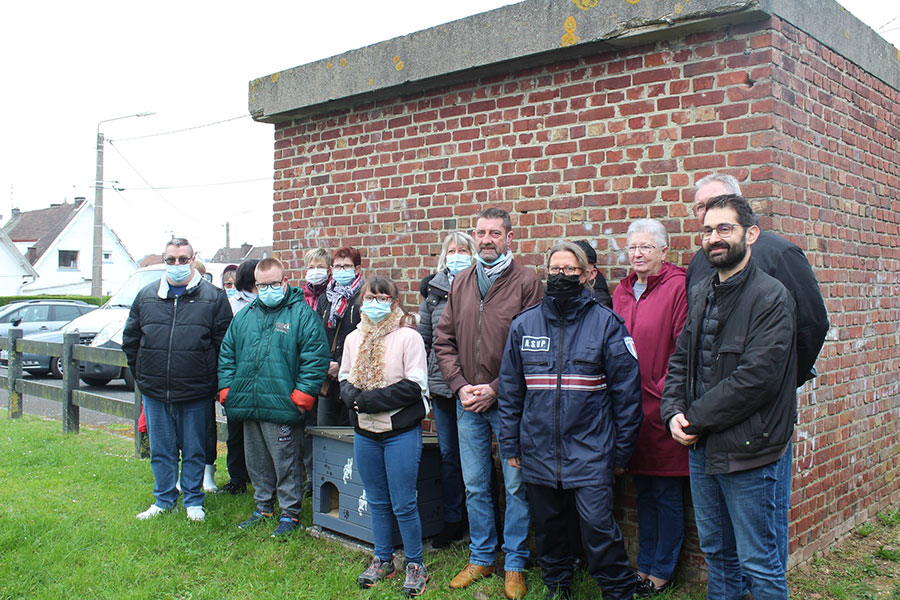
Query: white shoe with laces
{"type": "Point", "coordinates": [195, 513]}
{"type": "Point", "coordinates": [150, 512]}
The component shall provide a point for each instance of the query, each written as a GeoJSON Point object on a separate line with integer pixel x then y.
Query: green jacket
{"type": "Point", "coordinates": [267, 353]}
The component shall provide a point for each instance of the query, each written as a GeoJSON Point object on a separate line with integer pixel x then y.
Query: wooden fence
{"type": "Point", "coordinates": [70, 395]}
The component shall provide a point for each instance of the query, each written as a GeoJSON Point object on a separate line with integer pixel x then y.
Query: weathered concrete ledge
{"type": "Point", "coordinates": [540, 31]}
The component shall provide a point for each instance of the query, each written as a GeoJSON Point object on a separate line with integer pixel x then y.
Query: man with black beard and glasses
{"type": "Point", "coordinates": [730, 396]}
{"type": "Point", "coordinates": [570, 412]}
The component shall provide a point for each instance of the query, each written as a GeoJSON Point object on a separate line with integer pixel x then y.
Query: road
{"type": "Point", "coordinates": [33, 405]}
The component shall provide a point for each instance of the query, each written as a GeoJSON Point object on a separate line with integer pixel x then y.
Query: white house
{"type": "Point", "coordinates": [15, 271]}
{"type": "Point", "coordinates": [58, 242]}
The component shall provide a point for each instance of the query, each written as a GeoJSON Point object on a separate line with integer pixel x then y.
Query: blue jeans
{"type": "Point", "coordinates": [660, 507]}
{"type": "Point", "coordinates": [737, 521]}
{"type": "Point", "coordinates": [452, 489]}
{"type": "Point", "coordinates": [475, 430]}
{"type": "Point", "coordinates": [173, 427]}
{"type": "Point", "coordinates": [389, 470]}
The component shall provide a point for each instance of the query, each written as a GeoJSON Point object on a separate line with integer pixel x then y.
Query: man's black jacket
{"type": "Point", "coordinates": [172, 344]}
{"type": "Point", "coordinates": [785, 262]}
{"type": "Point", "coordinates": [747, 415]}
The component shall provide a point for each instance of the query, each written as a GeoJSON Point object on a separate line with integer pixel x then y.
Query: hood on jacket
{"type": "Point", "coordinates": [667, 271]}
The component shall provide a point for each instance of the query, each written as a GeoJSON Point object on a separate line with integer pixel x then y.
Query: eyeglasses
{"type": "Point", "coordinates": [343, 267]}
{"type": "Point", "coordinates": [179, 260]}
{"type": "Point", "coordinates": [724, 230]}
{"type": "Point", "coordinates": [266, 286]}
{"type": "Point", "coordinates": [644, 248]}
{"type": "Point", "coordinates": [566, 270]}
{"type": "Point", "coordinates": [379, 297]}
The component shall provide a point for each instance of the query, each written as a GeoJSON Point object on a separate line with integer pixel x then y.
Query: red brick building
{"type": "Point", "coordinates": [580, 116]}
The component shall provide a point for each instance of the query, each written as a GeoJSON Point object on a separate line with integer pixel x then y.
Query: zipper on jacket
{"type": "Point", "coordinates": [262, 342]}
{"type": "Point", "coordinates": [559, 367]}
{"type": "Point", "coordinates": [169, 353]}
{"type": "Point", "coordinates": [478, 341]}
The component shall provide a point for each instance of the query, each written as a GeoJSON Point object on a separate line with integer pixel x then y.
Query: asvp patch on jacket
{"type": "Point", "coordinates": [283, 327]}
{"type": "Point", "coordinates": [535, 344]}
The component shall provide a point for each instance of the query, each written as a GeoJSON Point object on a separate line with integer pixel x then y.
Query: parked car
{"type": "Point", "coordinates": [98, 328]}
{"type": "Point", "coordinates": [41, 315]}
{"type": "Point", "coordinates": [40, 364]}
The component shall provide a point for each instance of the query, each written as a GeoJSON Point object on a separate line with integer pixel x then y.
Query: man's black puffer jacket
{"type": "Point", "coordinates": [172, 344]}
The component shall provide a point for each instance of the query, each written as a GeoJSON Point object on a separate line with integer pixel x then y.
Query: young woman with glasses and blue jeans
{"type": "Point", "coordinates": [384, 383]}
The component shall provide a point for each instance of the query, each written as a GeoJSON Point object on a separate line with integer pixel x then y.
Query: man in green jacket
{"type": "Point", "coordinates": [273, 361]}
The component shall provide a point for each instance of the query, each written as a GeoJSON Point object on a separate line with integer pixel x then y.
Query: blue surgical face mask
{"type": "Point", "coordinates": [230, 292]}
{"type": "Point", "coordinates": [376, 310]}
{"type": "Point", "coordinates": [271, 296]}
{"type": "Point", "coordinates": [458, 262]}
{"type": "Point", "coordinates": [179, 274]}
{"type": "Point", "coordinates": [344, 276]}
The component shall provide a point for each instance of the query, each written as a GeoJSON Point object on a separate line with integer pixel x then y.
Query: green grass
{"type": "Point", "coordinates": [68, 530]}
{"type": "Point", "coordinates": [865, 530]}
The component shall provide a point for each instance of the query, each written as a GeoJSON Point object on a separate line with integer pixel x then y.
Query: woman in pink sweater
{"type": "Point", "coordinates": [384, 383]}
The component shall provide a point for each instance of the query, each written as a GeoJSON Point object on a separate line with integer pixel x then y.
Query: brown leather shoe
{"type": "Point", "coordinates": [514, 586]}
{"type": "Point", "coordinates": [470, 574]}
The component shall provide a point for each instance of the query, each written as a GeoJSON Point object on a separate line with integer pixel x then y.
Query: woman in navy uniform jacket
{"type": "Point", "coordinates": [570, 412]}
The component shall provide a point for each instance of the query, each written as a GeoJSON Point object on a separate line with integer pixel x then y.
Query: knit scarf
{"type": "Point", "coordinates": [367, 373]}
{"type": "Point", "coordinates": [339, 296]}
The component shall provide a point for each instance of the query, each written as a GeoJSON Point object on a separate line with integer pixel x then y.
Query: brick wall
{"type": "Point", "coordinates": [579, 148]}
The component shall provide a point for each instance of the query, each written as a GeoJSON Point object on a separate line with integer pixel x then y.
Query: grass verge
{"type": "Point", "coordinates": [68, 529]}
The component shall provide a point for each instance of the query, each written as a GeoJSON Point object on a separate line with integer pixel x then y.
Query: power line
{"type": "Point", "coordinates": [888, 23]}
{"type": "Point", "coordinates": [200, 185]}
{"type": "Point", "coordinates": [144, 179]}
{"type": "Point", "coordinates": [150, 135]}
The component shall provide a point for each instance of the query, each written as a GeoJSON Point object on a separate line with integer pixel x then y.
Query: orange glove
{"type": "Point", "coordinates": [222, 394]}
{"type": "Point", "coordinates": [302, 400]}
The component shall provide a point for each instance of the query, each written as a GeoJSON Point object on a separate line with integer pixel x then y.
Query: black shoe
{"type": "Point", "coordinates": [558, 593]}
{"type": "Point", "coordinates": [452, 532]}
{"type": "Point", "coordinates": [648, 589]}
{"type": "Point", "coordinates": [233, 487]}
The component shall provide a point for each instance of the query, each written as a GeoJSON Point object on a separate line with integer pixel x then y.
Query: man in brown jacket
{"type": "Point", "coordinates": [471, 334]}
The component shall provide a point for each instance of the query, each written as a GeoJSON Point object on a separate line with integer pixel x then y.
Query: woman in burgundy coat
{"type": "Point", "coordinates": [653, 303]}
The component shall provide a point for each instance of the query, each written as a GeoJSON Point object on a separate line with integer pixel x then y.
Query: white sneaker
{"type": "Point", "coordinates": [195, 513]}
{"type": "Point", "coordinates": [150, 512]}
{"type": "Point", "coordinates": [209, 480]}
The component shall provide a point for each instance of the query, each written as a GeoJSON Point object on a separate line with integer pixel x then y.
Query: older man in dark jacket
{"type": "Point", "coordinates": [730, 395]}
{"type": "Point", "coordinates": [171, 340]}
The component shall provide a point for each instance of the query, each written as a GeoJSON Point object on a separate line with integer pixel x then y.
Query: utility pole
{"type": "Point", "coordinates": [97, 264]}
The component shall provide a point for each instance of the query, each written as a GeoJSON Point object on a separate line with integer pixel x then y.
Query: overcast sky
{"type": "Point", "coordinates": [68, 65]}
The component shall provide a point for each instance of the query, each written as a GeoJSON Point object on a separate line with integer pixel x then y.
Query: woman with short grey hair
{"type": "Point", "coordinates": [652, 301]}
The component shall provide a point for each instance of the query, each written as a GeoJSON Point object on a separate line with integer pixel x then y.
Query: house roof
{"type": "Point", "coordinates": [16, 255]}
{"type": "Point", "coordinates": [236, 255]}
{"type": "Point", "coordinates": [40, 227]}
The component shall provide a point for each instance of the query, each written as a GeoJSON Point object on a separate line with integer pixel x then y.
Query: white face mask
{"type": "Point", "coordinates": [316, 276]}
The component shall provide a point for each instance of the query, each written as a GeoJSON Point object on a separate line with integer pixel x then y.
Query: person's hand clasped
{"type": "Point", "coordinates": [477, 398]}
{"type": "Point", "coordinates": [333, 368]}
{"type": "Point", "coordinates": [676, 426]}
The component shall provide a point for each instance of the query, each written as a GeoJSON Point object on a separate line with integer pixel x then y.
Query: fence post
{"type": "Point", "coordinates": [71, 412]}
{"type": "Point", "coordinates": [14, 373]}
{"type": "Point", "coordinates": [138, 400]}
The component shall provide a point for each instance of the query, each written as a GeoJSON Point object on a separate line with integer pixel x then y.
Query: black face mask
{"type": "Point", "coordinates": [562, 286]}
